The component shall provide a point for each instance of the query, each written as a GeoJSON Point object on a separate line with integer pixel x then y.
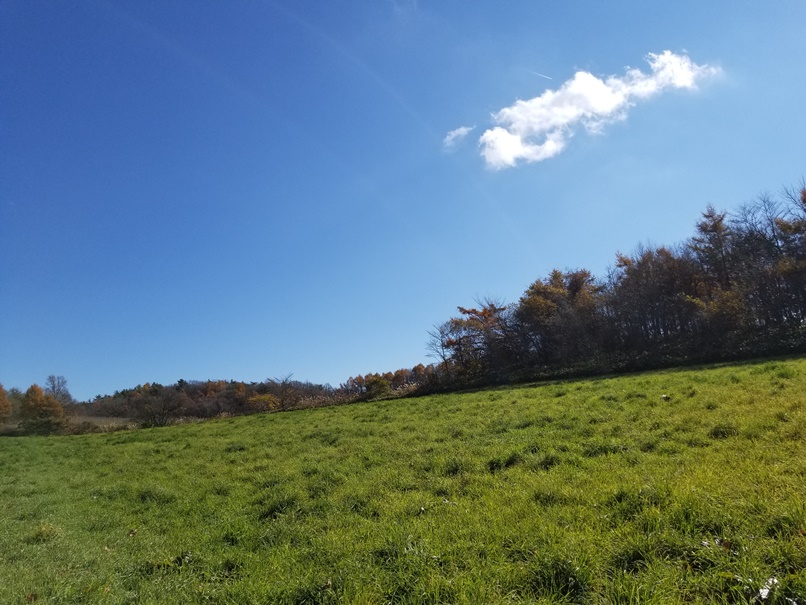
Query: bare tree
{"type": "Point", "coordinates": [57, 386]}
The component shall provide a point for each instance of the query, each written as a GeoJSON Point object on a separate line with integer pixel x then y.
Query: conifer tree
{"type": "Point", "coordinates": [41, 413]}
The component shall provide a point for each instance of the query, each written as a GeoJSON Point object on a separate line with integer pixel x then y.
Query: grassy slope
{"type": "Point", "coordinates": [596, 491]}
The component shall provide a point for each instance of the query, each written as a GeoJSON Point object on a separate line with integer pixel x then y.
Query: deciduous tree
{"type": "Point", "coordinates": [5, 404]}
{"type": "Point", "coordinates": [57, 386]}
{"type": "Point", "coordinates": [561, 316]}
{"type": "Point", "coordinates": [377, 387]}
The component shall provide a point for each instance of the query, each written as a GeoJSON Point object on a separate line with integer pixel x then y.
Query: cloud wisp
{"type": "Point", "coordinates": [539, 128]}
{"type": "Point", "coordinates": [455, 136]}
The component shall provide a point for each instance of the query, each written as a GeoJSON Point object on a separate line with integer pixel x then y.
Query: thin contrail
{"type": "Point", "coordinates": [541, 75]}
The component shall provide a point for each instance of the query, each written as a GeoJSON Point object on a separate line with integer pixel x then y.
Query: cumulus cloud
{"type": "Point", "coordinates": [454, 136]}
{"type": "Point", "coordinates": [539, 128]}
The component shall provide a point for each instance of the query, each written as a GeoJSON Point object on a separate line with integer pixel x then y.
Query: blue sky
{"type": "Point", "coordinates": [245, 190]}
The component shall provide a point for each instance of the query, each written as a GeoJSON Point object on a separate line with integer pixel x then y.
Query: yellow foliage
{"type": "Point", "coordinates": [265, 402]}
{"type": "Point", "coordinates": [41, 412]}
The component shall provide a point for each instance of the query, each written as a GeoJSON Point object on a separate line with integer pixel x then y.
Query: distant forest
{"type": "Point", "coordinates": [735, 290]}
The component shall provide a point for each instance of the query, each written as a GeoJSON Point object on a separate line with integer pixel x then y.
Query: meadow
{"type": "Point", "coordinates": [678, 486]}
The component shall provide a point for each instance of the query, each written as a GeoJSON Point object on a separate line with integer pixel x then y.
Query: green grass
{"type": "Point", "coordinates": [670, 487]}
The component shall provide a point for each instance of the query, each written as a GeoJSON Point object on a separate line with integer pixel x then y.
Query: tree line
{"type": "Point", "coordinates": [735, 289]}
{"type": "Point", "coordinates": [53, 409]}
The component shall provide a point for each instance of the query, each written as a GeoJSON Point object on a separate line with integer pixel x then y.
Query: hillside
{"type": "Point", "coordinates": [665, 487]}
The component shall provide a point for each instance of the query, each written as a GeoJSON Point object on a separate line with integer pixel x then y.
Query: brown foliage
{"type": "Point", "coordinates": [5, 404]}
{"type": "Point", "coordinates": [40, 412]}
{"type": "Point", "coordinates": [736, 289]}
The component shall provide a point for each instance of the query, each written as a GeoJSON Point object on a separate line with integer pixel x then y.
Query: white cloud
{"type": "Point", "coordinates": [455, 136]}
{"type": "Point", "coordinates": [502, 148]}
{"type": "Point", "coordinates": [539, 128]}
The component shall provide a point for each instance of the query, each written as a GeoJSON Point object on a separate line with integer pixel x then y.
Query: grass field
{"type": "Point", "coordinates": [681, 486]}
